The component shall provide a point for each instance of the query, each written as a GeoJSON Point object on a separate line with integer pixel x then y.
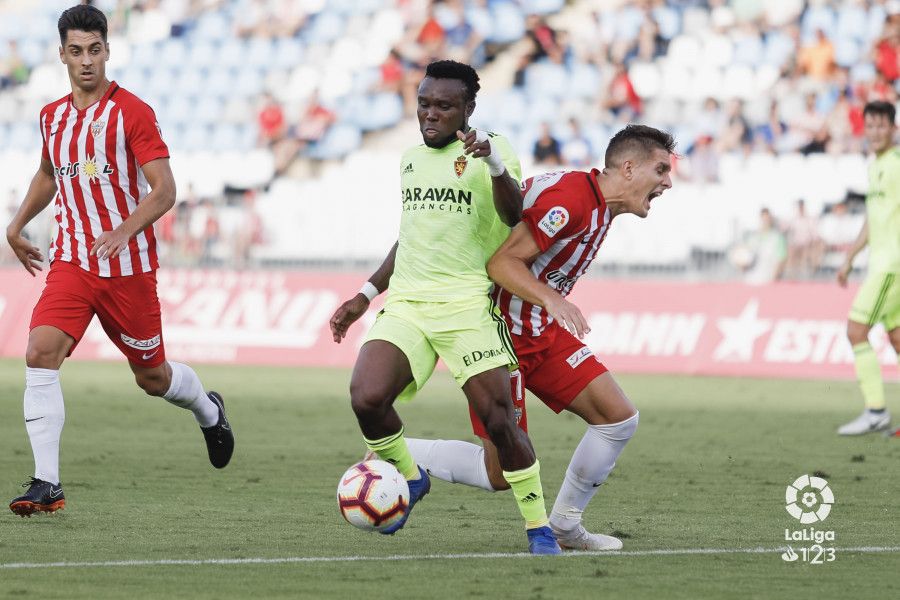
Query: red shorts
{"type": "Point", "coordinates": [555, 366]}
{"type": "Point", "coordinates": [127, 307]}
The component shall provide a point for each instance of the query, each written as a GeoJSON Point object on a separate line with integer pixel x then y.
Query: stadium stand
{"type": "Point", "coordinates": [278, 110]}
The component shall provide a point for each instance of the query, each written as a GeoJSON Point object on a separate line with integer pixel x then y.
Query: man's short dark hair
{"type": "Point", "coordinates": [880, 107]}
{"type": "Point", "coordinates": [638, 138]}
{"type": "Point", "coordinates": [83, 17]}
{"type": "Point", "coordinates": [450, 69]}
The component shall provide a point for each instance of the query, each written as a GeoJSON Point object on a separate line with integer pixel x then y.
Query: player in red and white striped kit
{"type": "Point", "coordinates": [102, 148]}
{"type": "Point", "coordinates": [565, 218]}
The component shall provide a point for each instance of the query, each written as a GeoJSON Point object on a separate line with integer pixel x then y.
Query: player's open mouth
{"type": "Point", "coordinates": [653, 195]}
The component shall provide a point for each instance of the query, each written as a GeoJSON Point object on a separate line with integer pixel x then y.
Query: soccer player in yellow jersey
{"type": "Point", "coordinates": [459, 197]}
{"type": "Point", "coordinates": [878, 298]}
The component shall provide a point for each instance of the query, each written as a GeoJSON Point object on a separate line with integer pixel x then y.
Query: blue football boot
{"type": "Point", "coordinates": [541, 541]}
{"type": "Point", "coordinates": [417, 490]}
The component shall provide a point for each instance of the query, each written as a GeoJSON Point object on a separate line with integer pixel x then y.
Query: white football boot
{"type": "Point", "coordinates": [867, 422]}
{"type": "Point", "coordinates": [580, 539]}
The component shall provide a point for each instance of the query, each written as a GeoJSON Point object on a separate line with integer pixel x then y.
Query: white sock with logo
{"type": "Point", "coordinates": [452, 460]}
{"type": "Point", "coordinates": [45, 415]}
{"type": "Point", "coordinates": [591, 464]}
{"type": "Point", "coordinates": [187, 391]}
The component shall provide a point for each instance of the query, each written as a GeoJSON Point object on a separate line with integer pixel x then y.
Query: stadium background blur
{"type": "Point", "coordinates": [286, 119]}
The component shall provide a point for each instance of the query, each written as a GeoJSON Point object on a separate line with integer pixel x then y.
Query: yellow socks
{"type": "Point", "coordinates": [526, 487]}
{"type": "Point", "coordinates": [868, 372]}
{"type": "Point", "coordinates": [393, 450]}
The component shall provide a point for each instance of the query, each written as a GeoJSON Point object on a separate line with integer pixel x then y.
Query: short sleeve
{"type": "Point", "coordinates": [557, 212]}
{"type": "Point", "coordinates": [143, 135]}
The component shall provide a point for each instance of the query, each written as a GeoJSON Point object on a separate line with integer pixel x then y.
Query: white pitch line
{"type": "Point", "coordinates": [402, 557]}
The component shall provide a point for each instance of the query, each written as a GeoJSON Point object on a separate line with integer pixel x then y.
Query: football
{"type": "Point", "coordinates": [372, 495]}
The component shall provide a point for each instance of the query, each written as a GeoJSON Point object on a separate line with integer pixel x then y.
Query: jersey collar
{"type": "Point", "coordinates": [113, 87]}
{"type": "Point", "coordinates": [595, 186]}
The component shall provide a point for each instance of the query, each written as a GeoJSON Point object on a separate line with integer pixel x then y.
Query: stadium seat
{"type": "Point", "coordinates": [247, 169]}
{"type": "Point", "coordinates": [646, 79]}
{"type": "Point", "coordinates": [383, 110]}
{"type": "Point", "coordinates": [668, 19]}
{"type": "Point", "coordinates": [196, 137]}
{"type": "Point", "coordinates": [584, 81]}
{"type": "Point", "coordinates": [508, 23]}
{"type": "Point", "coordinates": [541, 7]}
{"type": "Point", "coordinates": [684, 51]}
{"type": "Point", "coordinates": [288, 53]}
{"type": "Point", "coordinates": [338, 141]}
{"type": "Point", "coordinates": [172, 52]}
{"type": "Point", "coordinates": [546, 80]}
{"type": "Point", "coordinates": [325, 28]}
{"type": "Point", "coordinates": [738, 82]}
{"type": "Point", "coordinates": [852, 23]}
{"type": "Point", "coordinates": [847, 52]}
{"type": "Point", "coordinates": [707, 82]}
{"type": "Point", "coordinates": [717, 51]}
{"type": "Point", "coordinates": [302, 82]}
{"type": "Point", "coordinates": [8, 110]}
{"type": "Point", "coordinates": [260, 53]}
{"type": "Point", "coordinates": [676, 81]}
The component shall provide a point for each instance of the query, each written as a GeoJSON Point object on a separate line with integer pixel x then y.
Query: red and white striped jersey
{"type": "Point", "coordinates": [97, 154]}
{"type": "Point", "coordinates": [568, 218]}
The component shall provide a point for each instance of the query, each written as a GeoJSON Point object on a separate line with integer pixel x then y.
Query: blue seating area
{"type": "Point", "coordinates": [195, 65]}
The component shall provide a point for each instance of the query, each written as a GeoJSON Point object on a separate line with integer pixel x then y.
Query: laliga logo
{"type": "Point", "coordinates": [804, 494]}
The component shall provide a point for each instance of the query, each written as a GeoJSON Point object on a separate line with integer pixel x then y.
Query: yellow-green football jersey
{"type": "Point", "coordinates": [883, 211]}
{"type": "Point", "coordinates": [449, 226]}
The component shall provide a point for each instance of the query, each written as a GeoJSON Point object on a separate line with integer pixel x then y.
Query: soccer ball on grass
{"type": "Point", "coordinates": [372, 495]}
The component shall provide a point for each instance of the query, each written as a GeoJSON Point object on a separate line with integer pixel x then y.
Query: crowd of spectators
{"type": "Point", "coordinates": [799, 246]}
{"type": "Point", "coordinates": [829, 57]}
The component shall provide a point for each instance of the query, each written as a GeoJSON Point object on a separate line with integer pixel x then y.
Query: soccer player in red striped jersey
{"type": "Point", "coordinates": [565, 218]}
{"type": "Point", "coordinates": [102, 148]}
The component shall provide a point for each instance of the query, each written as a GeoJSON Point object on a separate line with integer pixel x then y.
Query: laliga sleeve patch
{"type": "Point", "coordinates": [555, 219]}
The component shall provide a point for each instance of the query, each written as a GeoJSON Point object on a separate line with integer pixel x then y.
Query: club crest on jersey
{"type": "Point", "coordinates": [460, 165]}
{"type": "Point", "coordinates": [555, 219]}
{"type": "Point", "coordinates": [97, 128]}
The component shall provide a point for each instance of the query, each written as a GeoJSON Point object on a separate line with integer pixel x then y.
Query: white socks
{"type": "Point", "coordinates": [591, 464]}
{"type": "Point", "coordinates": [452, 460]}
{"type": "Point", "coordinates": [44, 418]}
{"type": "Point", "coordinates": [187, 392]}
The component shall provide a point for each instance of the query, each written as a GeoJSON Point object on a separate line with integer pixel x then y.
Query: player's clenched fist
{"type": "Point", "coordinates": [478, 144]}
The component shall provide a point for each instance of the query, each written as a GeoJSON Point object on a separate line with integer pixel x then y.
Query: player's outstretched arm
{"type": "Point", "coordinates": [40, 194]}
{"type": "Point", "coordinates": [858, 244]}
{"type": "Point", "coordinates": [510, 267]}
{"type": "Point", "coordinates": [150, 208]}
{"type": "Point", "coordinates": [505, 189]}
{"type": "Point", "coordinates": [351, 310]}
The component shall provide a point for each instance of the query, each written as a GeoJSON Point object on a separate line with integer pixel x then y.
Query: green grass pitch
{"type": "Point", "coordinates": [707, 469]}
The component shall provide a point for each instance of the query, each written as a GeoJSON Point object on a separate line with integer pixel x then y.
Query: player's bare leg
{"type": "Point", "coordinates": [488, 394]}
{"type": "Point", "coordinates": [612, 420]}
{"type": "Point", "coordinates": [178, 384]}
{"type": "Point", "coordinates": [875, 416]}
{"type": "Point", "coordinates": [381, 373]}
{"type": "Point", "coordinates": [44, 418]}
